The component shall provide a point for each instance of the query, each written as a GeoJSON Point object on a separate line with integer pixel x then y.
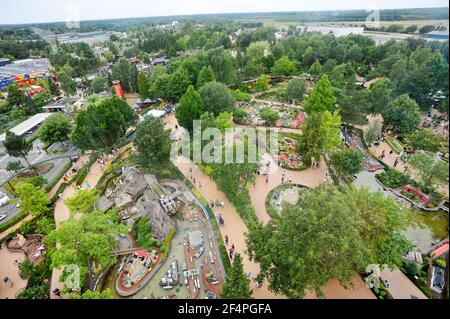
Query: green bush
{"type": "Point", "coordinates": [143, 233]}
{"type": "Point", "coordinates": [60, 190]}
{"type": "Point", "coordinates": [439, 263]}
{"type": "Point", "coordinates": [25, 269]}
{"type": "Point", "coordinates": [392, 178]}
{"type": "Point", "coordinates": [35, 292]}
{"type": "Point", "coordinates": [81, 174]}
{"type": "Point", "coordinates": [411, 268]}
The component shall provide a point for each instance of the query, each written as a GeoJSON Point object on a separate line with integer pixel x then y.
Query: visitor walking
{"type": "Point", "coordinates": [395, 163]}
{"type": "Point", "coordinates": [232, 247]}
{"type": "Point", "coordinates": [57, 292]}
{"type": "Point", "coordinates": [290, 180]}
{"type": "Point", "coordinates": [267, 178]}
{"type": "Point", "coordinates": [382, 154]}
{"type": "Point", "coordinates": [226, 239]}
{"type": "Point", "coordinates": [88, 185]}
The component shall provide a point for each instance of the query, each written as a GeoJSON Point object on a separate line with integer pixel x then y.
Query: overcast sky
{"type": "Point", "coordinates": [30, 11]}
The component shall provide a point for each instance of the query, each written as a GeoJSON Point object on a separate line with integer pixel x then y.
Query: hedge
{"type": "Point", "coordinates": [56, 179]}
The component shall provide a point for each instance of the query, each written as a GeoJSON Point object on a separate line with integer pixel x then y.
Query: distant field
{"type": "Point", "coordinates": [285, 24]}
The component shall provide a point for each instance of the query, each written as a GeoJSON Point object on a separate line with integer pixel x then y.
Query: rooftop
{"type": "Point", "coordinates": [27, 125]}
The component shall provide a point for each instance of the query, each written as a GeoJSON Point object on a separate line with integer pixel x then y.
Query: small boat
{"type": "Point", "coordinates": [170, 279]}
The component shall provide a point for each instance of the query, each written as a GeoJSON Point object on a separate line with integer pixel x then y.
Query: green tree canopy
{"type": "Point", "coordinates": [284, 66]}
{"type": "Point", "coordinates": [33, 199]}
{"type": "Point", "coordinates": [402, 113]}
{"type": "Point", "coordinates": [83, 201]}
{"type": "Point", "coordinates": [205, 75]}
{"type": "Point", "coordinates": [98, 85]}
{"type": "Point", "coordinates": [320, 133]}
{"type": "Point", "coordinates": [189, 109]}
{"type": "Point", "coordinates": [347, 161]}
{"type": "Point", "coordinates": [153, 143]}
{"type": "Point", "coordinates": [432, 170]}
{"type": "Point", "coordinates": [321, 98]}
{"type": "Point", "coordinates": [330, 233]}
{"type": "Point", "coordinates": [237, 285]}
{"type": "Point", "coordinates": [85, 242]}
{"type": "Point", "coordinates": [16, 97]}
{"type": "Point", "coordinates": [68, 85]}
{"type": "Point", "coordinates": [295, 90]}
{"type": "Point", "coordinates": [424, 139]}
{"type": "Point", "coordinates": [56, 128]}
{"type": "Point", "coordinates": [257, 49]}
{"type": "Point", "coordinates": [126, 73]}
{"type": "Point", "coordinates": [217, 98]}
{"type": "Point", "coordinates": [102, 123]}
{"type": "Point", "coordinates": [142, 84]}
{"type": "Point", "coordinates": [378, 96]}
{"type": "Point", "coordinates": [16, 146]}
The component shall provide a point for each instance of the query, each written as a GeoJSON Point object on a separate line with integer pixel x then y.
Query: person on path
{"type": "Point", "coordinates": [267, 178]}
{"type": "Point", "coordinates": [232, 247]}
{"type": "Point", "coordinates": [382, 154]}
{"type": "Point", "coordinates": [290, 180]}
{"type": "Point", "coordinates": [226, 239]}
{"type": "Point", "coordinates": [88, 185]}
{"type": "Point", "coordinates": [395, 163]}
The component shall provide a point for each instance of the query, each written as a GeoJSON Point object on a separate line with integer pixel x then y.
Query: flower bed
{"type": "Point", "coordinates": [288, 155]}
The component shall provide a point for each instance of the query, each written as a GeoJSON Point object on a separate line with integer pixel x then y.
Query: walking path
{"type": "Point", "coordinates": [10, 270]}
{"type": "Point", "coordinates": [400, 287]}
{"type": "Point", "coordinates": [236, 229]}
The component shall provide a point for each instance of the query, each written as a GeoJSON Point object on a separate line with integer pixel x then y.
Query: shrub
{"type": "Point", "coordinates": [25, 269]}
{"type": "Point", "coordinates": [439, 263]}
{"type": "Point", "coordinates": [35, 292]}
{"type": "Point", "coordinates": [143, 233]}
{"type": "Point", "coordinates": [392, 178]}
{"type": "Point", "coordinates": [81, 174]}
{"type": "Point", "coordinates": [411, 268]}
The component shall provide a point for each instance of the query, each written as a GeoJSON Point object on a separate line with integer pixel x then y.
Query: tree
{"type": "Point", "coordinates": [269, 115]}
{"type": "Point", "coordinates": [331, 233]}
{"type": "Point", "coordinates": [315, 68]}
{"type": "Point", "coordinates": [237, 285]}
{"type": "Point", "coordinates": [262, 84]}
{"type": "Point", "coordinates": [68, 85]}
{"type": "Point", "coordinates": [426, 29]}
{"type": "Point", "coordinates": [102, 123]}
{"type": "Point", "coordinates": [153, 143]}
{"type": "Point", "coordinates": [97, 85]}
{"type": "Point", "coordinates": [56, 128]}
{"type": "Point", "coordinates": [142, 84]}
{"type": "Point", "coordinates": [320, 133]}
{"type": "Point", "coordinates": [205, 75]}
{"type": "Point", "coordinates": [52, 87]}
{"type": "Point", "coordinates": [14, 166]}
{"type": "Point", "coordinates": [432, 170]}
{"type": "Point", "coordinates": [321, 98]}
{"type": "Point", "coordinates": [224, 121]}
{"type": "Point", "coordinates": [295, 90]}
{"type": "Point", "coordinates": [378, 96]}
{"type": "Point", "coordinates": [424, 140]}
{"type": "Point", "coordinates": [189, 109]}
{"type": "Point", "coordinates": [178, 84]}
{"type": "Point", "coordinates": [83, 202]}
{"type": "Point", "coordinates": [284, 66]}
{"type": "Point", "coordinates": [16, 97]}
{"type": "Point", "coordinates": [347, 161]}
{"type": "Point", "coordinates": [16, 146]}
{"type": "Point", "coordinates": [33, 199]}
{"type": "Point", "coordinates": [256, 50]}
{"type": "Point", "coordinates": [126, 73]}
{"type": "Point", "coordinates": [86, 242]}
{"type": "Point", "coordinates": [402, 113]}
{"type": "Point", "coordinates": [217, 98]}
{"type": "Point", "coordinates": [373, 132]}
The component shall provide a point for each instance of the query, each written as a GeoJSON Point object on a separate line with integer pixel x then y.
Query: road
{"type": "Point", "coordinates": [36, 155]}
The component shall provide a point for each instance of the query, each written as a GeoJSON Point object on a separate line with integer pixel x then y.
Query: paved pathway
{"type": "Point", "coordinates": [9, 269]}
{"type": "Point", "coordinates": [400, 287]}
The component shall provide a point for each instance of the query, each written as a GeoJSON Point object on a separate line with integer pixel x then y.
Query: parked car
{"type": "Point", "coordinates": [4, 200]}
{"type": "Point", "coordinates": [2, 216]}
